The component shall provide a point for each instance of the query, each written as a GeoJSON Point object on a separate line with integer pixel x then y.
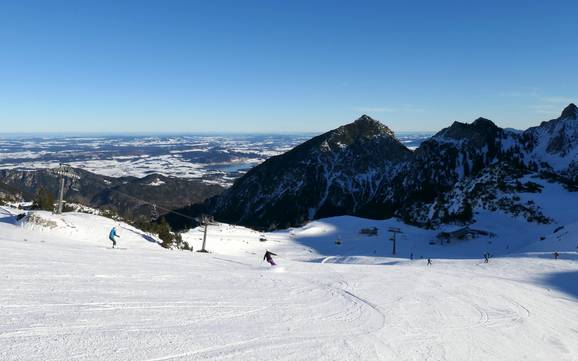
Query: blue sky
{"type": "Point", "coordinates": [282, 66]}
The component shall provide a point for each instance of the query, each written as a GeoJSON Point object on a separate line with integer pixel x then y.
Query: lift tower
{"type": "Point", "coordinates": [63, 171]}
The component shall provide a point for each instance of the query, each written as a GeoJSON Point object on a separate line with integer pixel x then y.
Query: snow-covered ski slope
{"type": "Point", "coordinates": [65, 295]}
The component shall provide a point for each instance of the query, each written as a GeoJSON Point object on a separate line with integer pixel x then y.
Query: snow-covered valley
{"type": "Point", "coordinates": [335, 294]}
{"type": "Point", "coordinates": [216, 159]}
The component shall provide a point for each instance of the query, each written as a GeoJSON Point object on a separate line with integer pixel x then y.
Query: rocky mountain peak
{"type": "Point", "coordinates": [335, 173]}
{"type": "Point", "coordinates": [483, 122]}
{"type": "Point", "coordinates": [480, 128]}
{"type": "Point", "coordinates": [571, 111]}
{"type": "Point", "coordinates": [365, 118]}
{"type": "Point", "coordinates": [363, 127]}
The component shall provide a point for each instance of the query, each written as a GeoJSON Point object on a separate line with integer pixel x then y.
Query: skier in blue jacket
{"type": "Point", "coordinates": [111, 236]}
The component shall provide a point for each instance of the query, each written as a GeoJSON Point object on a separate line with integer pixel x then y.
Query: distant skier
{"type": "Point", "coordinates": [111, 236]}
{"type": "Point", "coordinates": [486, 258]}
{"type": "Point", "coordinates": [411, 256]}
{"type": "Point", "coordinates": [268, 257]}
{"type": "Point", "coordinates": [429, 262]}
{"type": "Point", "coordinates": [556, 255]}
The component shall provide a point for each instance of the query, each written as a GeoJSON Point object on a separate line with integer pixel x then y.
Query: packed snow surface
{"type": "Point", "coordinates": [65, 295]}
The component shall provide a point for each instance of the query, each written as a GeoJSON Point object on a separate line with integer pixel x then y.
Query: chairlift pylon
{"type": "Point", "coordinates": [154, 212]}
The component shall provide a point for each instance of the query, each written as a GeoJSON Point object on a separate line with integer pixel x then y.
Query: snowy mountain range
{"type": "Point", "coordinates": [503, 288]}
{"type": "Point", "coordinates": [171, 171]}
{"type": "Point", "coordinates": [362, 169]}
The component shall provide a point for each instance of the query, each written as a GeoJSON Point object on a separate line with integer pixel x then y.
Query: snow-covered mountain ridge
{"type": "Point", "coordinates": [333, 173]}
{"type": "Point", "coordinates": [361, 169]}
{"type": "Point", "coordinates": [554, 144]}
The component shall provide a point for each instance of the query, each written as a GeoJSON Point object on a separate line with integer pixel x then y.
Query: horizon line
{"type": "Point", "coordinates": [175, 133]}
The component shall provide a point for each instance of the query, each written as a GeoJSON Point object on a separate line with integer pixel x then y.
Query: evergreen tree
{"type": "Point", "coordinates": [164, 232]}
{"type": "Point", "coordinates": [44, 200]}
{"type": "Point", "coordinates": [467, 212]}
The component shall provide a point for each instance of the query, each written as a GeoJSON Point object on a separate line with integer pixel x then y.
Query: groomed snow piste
{"type": "Point", "coordinates": [65, 295]}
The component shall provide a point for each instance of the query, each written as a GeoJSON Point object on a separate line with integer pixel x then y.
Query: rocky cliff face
{"type": "Point", "coordinates": [457, 151]}
{"type": "Point", "coordinates": [553, 145]}
{"type": "Point", "coordinates": [482, 165]}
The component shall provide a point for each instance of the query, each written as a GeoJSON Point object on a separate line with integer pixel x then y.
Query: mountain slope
{"type": "Point", "coordinates": [362, 169]}
{"type": "Point", "coordinates": [126, 196]}
{"type": "Point", "coordinates": [341, 171]}
{"type": "Point", "coordinates": [481, 165]}
{"type": "Point", "coordinates": [553, 145]}
{"type": "Point", "coordinates": [67, 295]}
{"type": "Point", "coordinates": [457, 151]}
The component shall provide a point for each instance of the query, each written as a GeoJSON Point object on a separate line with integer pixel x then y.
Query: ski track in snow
{"type": "Point", "coordinates": [64, 296]}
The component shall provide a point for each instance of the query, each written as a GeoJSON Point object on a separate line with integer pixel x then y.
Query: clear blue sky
{"type": "Point", "coordinates": [286, 66]}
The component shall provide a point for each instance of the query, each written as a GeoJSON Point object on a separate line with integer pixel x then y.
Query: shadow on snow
{"type": "Point", "coordinates": [566, 282]}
